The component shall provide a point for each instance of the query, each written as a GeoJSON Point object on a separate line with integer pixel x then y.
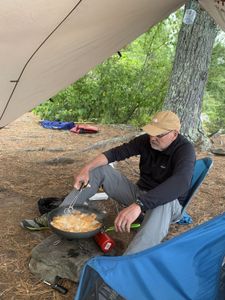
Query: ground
{"type": "Point", "coordinates": [38, 162]}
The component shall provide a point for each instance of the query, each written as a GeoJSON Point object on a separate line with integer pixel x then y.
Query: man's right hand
{"type": "Point", "coordinates": [82, 178]}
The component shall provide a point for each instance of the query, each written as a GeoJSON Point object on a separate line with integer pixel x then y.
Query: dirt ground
{"type": "Point", "coordinates": [38, 162]}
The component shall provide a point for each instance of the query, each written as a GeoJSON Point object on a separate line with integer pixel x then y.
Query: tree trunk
{"type": "Point", "coordinates": [190, 70]}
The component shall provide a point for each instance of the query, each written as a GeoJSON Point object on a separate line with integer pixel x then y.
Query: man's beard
{"type": "Point", "coordinates": [155, 147]}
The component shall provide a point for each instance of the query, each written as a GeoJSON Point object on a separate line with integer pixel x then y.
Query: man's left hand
{"type": "Point", "coordinates": [126, 217]}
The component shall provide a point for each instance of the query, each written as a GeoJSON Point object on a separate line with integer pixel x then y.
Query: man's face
{"type": "Point", "coordinates": [161, 142]}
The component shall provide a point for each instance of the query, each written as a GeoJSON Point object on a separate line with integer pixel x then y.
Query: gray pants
{"type": "Point", "coordinates": [156, 221]}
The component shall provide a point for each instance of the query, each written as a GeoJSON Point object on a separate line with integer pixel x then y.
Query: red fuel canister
{"type": "Point", "coordinates": [105, 242]}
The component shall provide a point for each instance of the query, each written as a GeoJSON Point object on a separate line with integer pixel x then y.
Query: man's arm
{"type": "Point", "coordinates": [115, 154]}
{"type": "Point", "coordinates": [177, 184]}
{"type": "Point", "coordinates": [83, 176]}
{"type": "Point", "coordinates": [126, 150]}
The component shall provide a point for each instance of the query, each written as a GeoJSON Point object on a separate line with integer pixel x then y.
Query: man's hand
{"type": "Point", "coordinates": [126, 217]}
{"type": "Point", "coordinates": [81, 178]}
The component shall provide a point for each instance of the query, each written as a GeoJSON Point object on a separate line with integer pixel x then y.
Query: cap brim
{"type": "Point", "coordinates": [153, 130]}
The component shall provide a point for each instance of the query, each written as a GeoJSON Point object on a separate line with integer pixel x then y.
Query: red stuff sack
{"type": "Point", "coordinates": [81, 129]}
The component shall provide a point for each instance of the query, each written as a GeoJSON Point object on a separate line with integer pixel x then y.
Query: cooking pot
{"type": "Point", "coordinates": [100, 216]}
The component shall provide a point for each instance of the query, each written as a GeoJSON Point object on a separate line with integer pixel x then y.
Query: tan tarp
{"type": "Point", "coordinates": [216, 8]}
{"type": "Point", "coordinates": [47, 45]}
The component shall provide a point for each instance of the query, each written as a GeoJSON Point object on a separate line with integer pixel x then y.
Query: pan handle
{"type": "Point", "coordinates": [133, 226]}
{"type": "Point", "coordinates": [83, 185]}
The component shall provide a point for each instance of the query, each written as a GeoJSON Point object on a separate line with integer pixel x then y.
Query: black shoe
{"type": "Point", "coordinates": [46, 205]}
{"type": "Point", "coordinates": [37, 224]}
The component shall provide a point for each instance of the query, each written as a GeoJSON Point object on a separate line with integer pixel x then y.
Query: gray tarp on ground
{"type": "Point", "coordinates": [47, 45]}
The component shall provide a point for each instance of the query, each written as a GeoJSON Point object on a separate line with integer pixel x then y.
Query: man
{"type": "Point", "coordinates": [166, 167]}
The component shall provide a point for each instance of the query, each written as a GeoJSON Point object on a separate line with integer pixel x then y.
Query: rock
{"type": "Point", "coordinates": [218, 139]}
{"type": "Point", "coordinates": [203, 143]}
{"type": "Point", "coordinates": [218, 151]}
{"type": "Point", "coordinates": [60, 257]}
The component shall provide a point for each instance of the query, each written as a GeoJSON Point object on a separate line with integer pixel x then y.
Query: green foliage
{"type": "Point", "coordinates": [131, 88]}
{"type": "Point", "coordinates": [214, 98]}
{"type": "Point", "coordinates": [123, 89]}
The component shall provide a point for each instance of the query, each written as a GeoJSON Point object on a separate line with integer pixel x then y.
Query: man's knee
{"type": "Point", "coordinates": [100, 170]}
{"type": "Point", "coordinates": [101, 175]}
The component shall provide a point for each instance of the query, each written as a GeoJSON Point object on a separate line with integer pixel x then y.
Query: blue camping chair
{"type": "Point", "coordinates": [201, 169]}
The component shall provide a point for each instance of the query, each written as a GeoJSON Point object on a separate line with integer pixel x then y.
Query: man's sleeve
{"type": "Point", "coordinates": [125, 150]}
{"type": "Point", "coordinates": [177, 184]}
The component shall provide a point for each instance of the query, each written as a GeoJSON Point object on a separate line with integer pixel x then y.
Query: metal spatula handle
{"type": "Point", "coordinates": [69, 210]}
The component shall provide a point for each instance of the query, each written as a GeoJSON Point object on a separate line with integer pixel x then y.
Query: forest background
{"type": "Point", "coordinates": [131, 86]}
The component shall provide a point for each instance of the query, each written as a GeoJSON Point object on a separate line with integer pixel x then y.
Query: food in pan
{"type": "Point", "coordinates": [76, 222]}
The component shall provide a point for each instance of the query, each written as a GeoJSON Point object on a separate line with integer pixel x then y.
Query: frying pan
{"type": "Point", "coordinates": [76, 235]}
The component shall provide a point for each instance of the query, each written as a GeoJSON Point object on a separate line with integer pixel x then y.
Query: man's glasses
{"type": "Point", "coordinates": [159, 136]}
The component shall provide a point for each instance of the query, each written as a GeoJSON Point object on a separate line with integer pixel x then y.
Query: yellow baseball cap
{"type": "Point", "coordinates": [162, 122]}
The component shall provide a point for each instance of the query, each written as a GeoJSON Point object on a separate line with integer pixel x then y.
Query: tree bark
{"type": "Point", "coordinates": [190, 71]}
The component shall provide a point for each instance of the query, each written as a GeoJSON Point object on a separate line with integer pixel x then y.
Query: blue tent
{"type": "Point", "coordinates": [186, 267]}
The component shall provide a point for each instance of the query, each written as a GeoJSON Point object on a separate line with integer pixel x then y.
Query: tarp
{"type": "Point", "coordinates": [47, 45]}
{"type": "Point", "coordinates": [185, 267]}
{"type": "Point", "coordinates": [215, 8]}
